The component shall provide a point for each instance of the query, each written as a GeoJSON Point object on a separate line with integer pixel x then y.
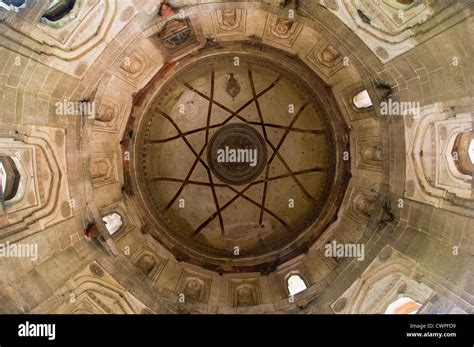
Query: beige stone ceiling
{"type": "Point", "coordinates": [388, 182]}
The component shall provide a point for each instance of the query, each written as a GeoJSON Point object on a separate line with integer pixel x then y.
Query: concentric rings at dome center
{"type": "Point", "coordinates": [245, 151]}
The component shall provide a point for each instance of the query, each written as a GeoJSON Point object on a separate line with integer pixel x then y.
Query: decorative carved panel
{"type": "Point", "coordinates": [110, 113]}
{"type": "Point", "coordinates": [361, 204]}
{"type": "Point", "coordinates": [194, 285]}
{"type": "Point", "coordinates": [369, 153]}
{"type": "Point", "coordinates": [229, 22]}
{"type": "Point", "coordinates": [103, 168]}
{"type": "Point", "coordinates": [135, 67]}
{"type": "Point", "coordinates": [148, 261]}
{"type": "Point", "coordinates": [178, 36]}
{"type": "Point", "coordinates": [281, 30]}
{"type": "Point", "coordinates": [325, 58]}
{"type": "Point", "coordinates": [245, 292]}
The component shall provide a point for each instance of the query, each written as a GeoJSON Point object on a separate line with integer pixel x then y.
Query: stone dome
{"type": "Point", "coordinates": [264, 156]}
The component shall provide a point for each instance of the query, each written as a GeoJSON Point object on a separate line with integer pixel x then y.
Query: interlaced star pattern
{"type": "Point", "coordinates": [234, 116]}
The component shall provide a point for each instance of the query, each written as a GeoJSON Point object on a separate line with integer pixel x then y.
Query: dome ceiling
{"type": "Point", "coordinates": [226, 156]}
{"type": "Point", "coordinates": [236, 156]}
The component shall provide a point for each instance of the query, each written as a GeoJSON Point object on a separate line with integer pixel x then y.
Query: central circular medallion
{"type": "Point", "coordinates": [237, 154]}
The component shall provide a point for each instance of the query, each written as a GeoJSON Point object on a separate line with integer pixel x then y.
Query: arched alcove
{"type": "Point", "coordinates": [403, 305]}
{"type": "Point", "coordinates": [58, 10]}
{"type": "Point", "coordinates": [113, 222]}
{"type": "Point", "coordinates": [362, 99]}
{"type": "Point", "coordinates": [9, 178]}
{"type": "Point", "coordinates": [295, 284]}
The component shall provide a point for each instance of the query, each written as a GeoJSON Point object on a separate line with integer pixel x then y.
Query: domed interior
{"type": "Point", "coordinates": [253, 164]}
{"type": "Point", "coordinates": [273, 156]}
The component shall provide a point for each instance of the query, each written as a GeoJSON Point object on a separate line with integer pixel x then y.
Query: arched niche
{"type": "Point", "coordinates": [362, 100]}
{"type": "Point", "coordinates": [61, 12]}
{"type": "Point", "coordinates": [403, 305]}
{"type": "Point", "coordinates": [9, 178]}
{"type": "Point", "coordinates": [295, 284]}
{"type": "Point", "coordinates": [113, 222]}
